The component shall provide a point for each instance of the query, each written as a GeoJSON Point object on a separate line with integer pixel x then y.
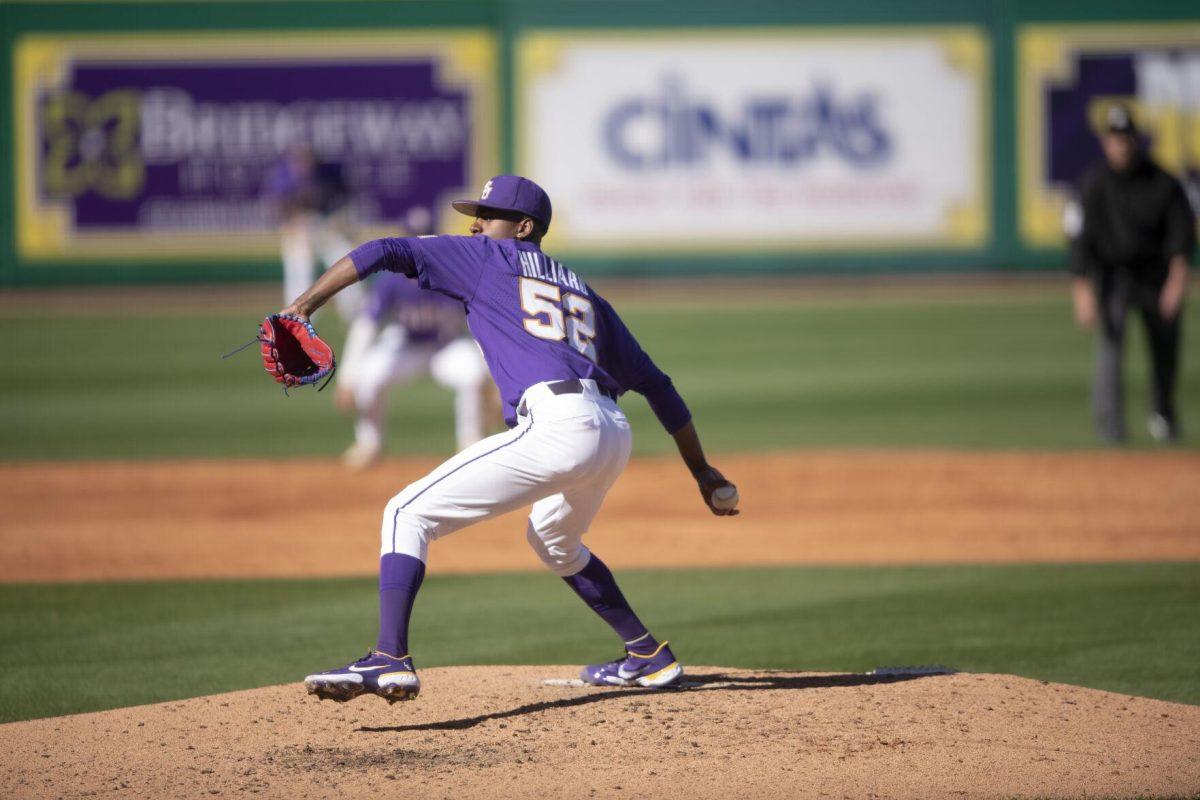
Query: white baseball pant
{"type": "Point", "coordinates": [562, 457]}
{"type": "Point", "coordinates": [392, 361]}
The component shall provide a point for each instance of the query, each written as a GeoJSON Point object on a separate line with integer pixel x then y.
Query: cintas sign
{"type": "Point", "coordinates": [675, 127]}
{"type": "Point", "coordinates": [735, 141]}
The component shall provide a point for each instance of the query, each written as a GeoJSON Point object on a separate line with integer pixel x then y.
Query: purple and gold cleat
{"type": "Point", "coordinates": [656, 670]}
{"type": "Point", "coordinates": [391, 677]}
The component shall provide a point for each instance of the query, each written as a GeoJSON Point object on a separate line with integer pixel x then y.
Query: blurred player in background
{"type": "Point", "coordinates": [1133, 236]}
{"type": "Point", "coordinates": [401, 334]}
{"type": "Point", "coordinates": [312, 200]}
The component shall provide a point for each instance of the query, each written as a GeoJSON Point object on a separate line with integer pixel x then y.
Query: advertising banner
{"type": "Point", "coordinates": [1068, 76]}
{"type": "Point", "coordinates": [787, 140]}
{"type": "Point", "coordinates": [172, 143]}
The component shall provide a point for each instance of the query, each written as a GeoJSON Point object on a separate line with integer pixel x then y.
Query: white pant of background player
{"type": "Point", "coordinates": [564, 454]}
{"type": "Point", "coordinates": [389, 360]}
{"type": "Point", "coordinates": [311, 241]}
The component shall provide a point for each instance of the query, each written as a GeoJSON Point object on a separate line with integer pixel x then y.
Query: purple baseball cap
{"type": "Point", "coordinates": [510, 193]}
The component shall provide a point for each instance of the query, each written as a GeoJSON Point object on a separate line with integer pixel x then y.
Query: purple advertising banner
{"type": "Point", "coordinates": [187, 144]}
{"type": "Point", "coordinates": [1068, 77]}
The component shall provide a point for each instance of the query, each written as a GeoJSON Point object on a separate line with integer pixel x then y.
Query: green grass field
{"type": "Point", "coordinates": [977, 370]}
{"type": "Point", "coordinates": [1127, 628]}
{"type": "Point", "coordinates": [981, 370]}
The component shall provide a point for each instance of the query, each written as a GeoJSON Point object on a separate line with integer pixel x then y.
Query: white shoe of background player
{"type": "Point", "coordinates": [360, 455]}
{"type": "Point", "coordinates": [1161, 430]}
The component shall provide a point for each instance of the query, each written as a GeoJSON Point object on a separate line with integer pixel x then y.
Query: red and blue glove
{"type": "Point", "coordinates": [293, 353]}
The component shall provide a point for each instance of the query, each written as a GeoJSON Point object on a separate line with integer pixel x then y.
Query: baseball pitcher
{"type": "Point", "coordinates": [561, 356]}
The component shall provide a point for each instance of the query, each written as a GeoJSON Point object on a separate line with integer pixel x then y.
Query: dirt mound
{"type": "Point", "coordinates": [502, 732]}
{"type": "Point", "coordinates": [121, 520]}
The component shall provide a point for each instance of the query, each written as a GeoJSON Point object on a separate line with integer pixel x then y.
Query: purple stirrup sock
{"type": "Point", "coordinates": [597, 587]}
{"type": "Point", "coordinates": [400, 577]}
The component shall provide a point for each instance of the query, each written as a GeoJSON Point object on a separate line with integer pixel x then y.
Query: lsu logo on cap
{"type": "Point", "coordinates": [487, 189]}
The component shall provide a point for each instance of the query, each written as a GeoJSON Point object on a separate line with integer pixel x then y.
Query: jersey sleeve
{"type": "Point", "coordinates": [383, 255]}
{"type": "Point", "coordinates": [451, 265]}
{"type": "Point", "coordinates": [628, 364]}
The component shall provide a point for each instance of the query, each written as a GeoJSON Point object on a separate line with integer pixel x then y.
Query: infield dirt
{"type": "Point", "coordinates": [133, 520]}
{"type": "Point", "coordinates": [501, 732]}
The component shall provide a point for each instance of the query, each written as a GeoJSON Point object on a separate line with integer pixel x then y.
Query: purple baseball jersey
{"type": "Point", "coordinates": [425, 316]}
{"type": "Point", "coordinates": [534, 319]}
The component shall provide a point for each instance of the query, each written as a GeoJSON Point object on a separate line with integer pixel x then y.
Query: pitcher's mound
{"type": "Point", "coordinates": [497, 732]}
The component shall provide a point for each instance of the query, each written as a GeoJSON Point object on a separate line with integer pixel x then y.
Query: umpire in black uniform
{"type": "Point", "coordinates": [1131, 247]}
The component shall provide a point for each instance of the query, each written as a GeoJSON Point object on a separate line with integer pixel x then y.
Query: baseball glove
{"type": "Point", "coordinates": [292, 352]}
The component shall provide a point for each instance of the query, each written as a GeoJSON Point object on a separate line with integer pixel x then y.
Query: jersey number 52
{"type": "Point", "coordinates": [556, 315]}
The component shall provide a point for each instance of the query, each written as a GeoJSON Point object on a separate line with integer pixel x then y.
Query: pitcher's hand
{"type": "Point", "coordinates": [709, 480]}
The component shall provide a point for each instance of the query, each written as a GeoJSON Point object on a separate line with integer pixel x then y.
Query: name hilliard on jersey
{"type": "Point", "coordinates": [534, 319]}
{"type": "Point", "coordinates": [541, 267]}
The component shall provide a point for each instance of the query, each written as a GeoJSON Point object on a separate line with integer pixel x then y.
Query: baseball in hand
{"type": "Point", "coordinates": [725, 498]}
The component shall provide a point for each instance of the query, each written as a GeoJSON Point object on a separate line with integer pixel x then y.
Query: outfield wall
{"type": "Point", "coordinates": [675, 137]}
